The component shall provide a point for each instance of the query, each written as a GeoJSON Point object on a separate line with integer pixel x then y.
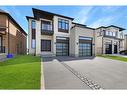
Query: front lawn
{"type": "Point", "coordinates": [114, 57]}
{"type": "Point", "coordinates": [20, 72]}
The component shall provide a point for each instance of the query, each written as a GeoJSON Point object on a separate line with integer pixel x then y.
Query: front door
{"type": "Point", "coordinates": [108, 49]}
{"type": "Point", "coordinates": [115, 49]}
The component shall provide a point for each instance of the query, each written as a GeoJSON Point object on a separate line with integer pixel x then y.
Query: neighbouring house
{"type": "Point", "coordinates": [12, 36]}
{"type": "Point", "coordinates": [109, 40]}
{"type": "Point", "coordinates": [53, 34]}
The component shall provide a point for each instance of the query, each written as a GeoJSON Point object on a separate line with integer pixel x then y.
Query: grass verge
{"type": "Point", "coordinates": [114, 57]}
{"type": "Point", "coordinates": [20, 72]}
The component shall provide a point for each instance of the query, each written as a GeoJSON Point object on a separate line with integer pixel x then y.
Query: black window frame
{"type": "Point", "coordinates": [33, 24]}
{"type": "Point", "coordinates": [63, 25]}
{"type": "Point", "coordinates": [46, 23]}
{"type": "Point", "coordinates": [47, 45]}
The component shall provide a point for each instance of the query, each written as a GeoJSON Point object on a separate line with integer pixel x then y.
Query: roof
{"type": "Point", "coordinates": [28, 17]}
{"type": "Point", "coordinates": [81, 25]}
{"type": "Point", "coordinates": [10, 17]}
{"type": "Point", "coordinates": [121, 29]}
{"type": "Point", "coordinates": [35, 11]}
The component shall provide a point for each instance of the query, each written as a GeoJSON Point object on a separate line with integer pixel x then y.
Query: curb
{"type": "Point", "coordinates": [42, 76]}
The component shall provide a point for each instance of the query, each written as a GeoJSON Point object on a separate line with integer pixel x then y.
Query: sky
{"type": "Point", "coordinates": [92, 16]}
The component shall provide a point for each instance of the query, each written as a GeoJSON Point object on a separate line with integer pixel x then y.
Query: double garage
{"type": "Point", "coordinates": [85, 46]}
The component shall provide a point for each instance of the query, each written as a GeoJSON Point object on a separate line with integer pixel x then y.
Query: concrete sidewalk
{"type": "Point", "coordinates": [58, 77]}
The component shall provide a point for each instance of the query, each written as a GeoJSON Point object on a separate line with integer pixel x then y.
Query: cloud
{"type": "Point", "coordinates": [83, 15]}
{"type": "Point", "coordinates": [103, 21]}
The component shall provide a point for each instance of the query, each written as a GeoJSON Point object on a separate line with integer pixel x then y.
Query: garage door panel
{"type": "Point", "coordinates": [85, 49]}
{"type": "Point", "coordinates": [62, 47]}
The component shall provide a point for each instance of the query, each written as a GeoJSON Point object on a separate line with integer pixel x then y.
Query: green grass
{"type": "Point", "coordinates": [20, 72]}
{"type": "Point", "coordinates": [114, 57]}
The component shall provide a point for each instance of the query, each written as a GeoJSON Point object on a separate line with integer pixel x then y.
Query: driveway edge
{"type": "Point", "coordinates": [42, 76]}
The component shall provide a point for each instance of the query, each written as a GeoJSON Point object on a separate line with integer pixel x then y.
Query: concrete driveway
{"type": "Point", "coordinates": [107, 73]}
{"type": "Point", "coordinates": [56, 76]}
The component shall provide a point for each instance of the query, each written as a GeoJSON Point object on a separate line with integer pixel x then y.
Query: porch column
{"type": "Point", "coordinates": [112, 46]}
{"type": "Point", "coordinates": [38, 37]}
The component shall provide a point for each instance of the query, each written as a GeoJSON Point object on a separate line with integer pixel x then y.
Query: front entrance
{"type": "Point", "coordinates": [115, 49]}
{"type": "Point", "coordinates": [108, 49]}
{"type": "Point", "coordinates": [85, 46]}
{"type": "Point", "coordinates": [62, 46]}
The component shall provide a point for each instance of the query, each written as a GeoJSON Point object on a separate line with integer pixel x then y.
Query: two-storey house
{"type": "Point", "coordinates": [54, 34]}
{"type": "Point", "coordinates": [109, 40]}
{"type": "Point", "coordinates": [12, 36]}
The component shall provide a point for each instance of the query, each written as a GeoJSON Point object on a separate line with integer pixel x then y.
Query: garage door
{"type": "Point", "coordinates": [85, 46]}
{"type": "Point", "coordinates": [62, 46]}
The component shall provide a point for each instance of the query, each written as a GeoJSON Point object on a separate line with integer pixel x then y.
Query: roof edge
{"type": "Point", "coordinates": [10, 17]}
{"type": "Point", "coordinates": [34, 9]}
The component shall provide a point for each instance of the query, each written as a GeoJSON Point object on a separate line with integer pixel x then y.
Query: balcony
{"type": "Point", "coordinates": [2, 49]}
{"type": "Point", "coordinates": [46, 29]}
{"type": "Point", "coordinates": [2, 30]}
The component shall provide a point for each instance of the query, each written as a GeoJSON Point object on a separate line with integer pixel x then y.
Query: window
{"type": "Point", "coordinates": [114, 34]}
{"type": "Point", "coordinates": [33, 43]}
{"type": "Point", "coordinates": [33, 34]}
{"type": "Point", "coordinates": [63, 24]}
{"type": "Point", "coordinates": [46, 25]}
{"type": "Point", "coordinates": [33, 24]}
{"type": "Point", "coordinates": [45, 45]}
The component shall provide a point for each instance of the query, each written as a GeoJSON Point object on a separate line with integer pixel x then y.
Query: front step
{"type": "Point", "coordinates": [2, 56]}
{"type": "Point", "coordinates": [47, 54]}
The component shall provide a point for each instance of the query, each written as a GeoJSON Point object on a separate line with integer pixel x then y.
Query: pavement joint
{"type": "Point", "coordinates": [84, 79]}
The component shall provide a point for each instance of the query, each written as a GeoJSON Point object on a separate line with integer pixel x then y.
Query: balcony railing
{"type": "Point", "coordinates": [2, 49]}
{"type": "Point", "coordinates": [47, 29]}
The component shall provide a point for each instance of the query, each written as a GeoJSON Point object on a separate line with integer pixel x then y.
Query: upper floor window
{"type": "Point", "coordinates": [110, 33]}
{"type": "Point", "coordinates": [63, 24]}
{"type": "Point", "coordinates": [121, 35]}
{"type": "Point", "coordinates": [33, 24]}
{"type": "Point", "coordinates": [46, 25]}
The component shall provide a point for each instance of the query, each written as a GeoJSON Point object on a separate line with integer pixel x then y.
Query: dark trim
{"type": "Point", "coordinates": [81, 26]}
{"type": "Point", "coordinates": [28, 17]}
{"type": "Point", "coordinates": [14, 21]}
{"type": "Point", "coordinates": [42, 11]}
